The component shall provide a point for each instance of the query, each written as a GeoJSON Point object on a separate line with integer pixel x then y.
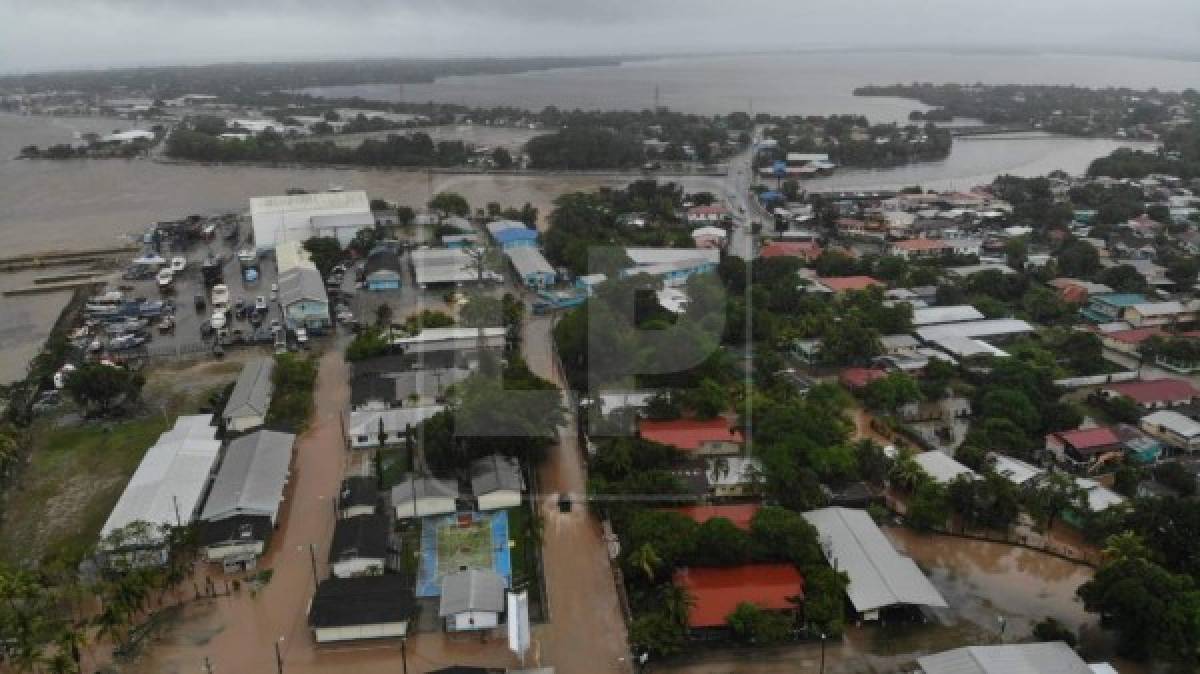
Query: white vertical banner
{"type": "Point", "coordinates": [518, 623]}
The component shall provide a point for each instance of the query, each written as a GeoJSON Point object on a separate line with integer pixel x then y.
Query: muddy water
{"type": "Point", "coordinates": [586, 633]}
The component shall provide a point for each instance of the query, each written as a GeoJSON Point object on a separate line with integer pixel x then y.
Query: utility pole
{"type": "Point", "coordinates": [312, 555]}
{"type": "Point", "coordinates": [404, 652]}
{"type": "Point", "coordinates": [278, 657]}
{"type": "Point", "coordinates": [207, 666]}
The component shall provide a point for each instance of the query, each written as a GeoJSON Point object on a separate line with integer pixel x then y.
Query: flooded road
{"type": "Point", "coordinates": [238, 633]}
{"type": "Point", "coordinates": [586, 633]}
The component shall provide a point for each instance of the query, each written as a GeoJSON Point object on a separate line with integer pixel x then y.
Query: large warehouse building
{"type": "Point", "coordinates": [298, 217]}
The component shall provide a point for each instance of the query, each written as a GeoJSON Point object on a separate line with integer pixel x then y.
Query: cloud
{"type": "Point", "coordinates": [49, 34]}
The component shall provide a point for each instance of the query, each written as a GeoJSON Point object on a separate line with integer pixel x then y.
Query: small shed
{"type": "Point", "coordinates": [247, 406]}
{"type": "Point", "coordinates": [496, 482]}
{"type": "Point", "coordinates": [419, 496]}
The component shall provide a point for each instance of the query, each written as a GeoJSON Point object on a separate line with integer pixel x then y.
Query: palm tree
{"type": "Point", "coordinates": [677, 602]}
{"type": "Point", "coordinates": [646, 559]}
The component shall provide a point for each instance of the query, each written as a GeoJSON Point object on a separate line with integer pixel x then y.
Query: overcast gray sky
{"type": "Point", "coordinates": [56, 34]}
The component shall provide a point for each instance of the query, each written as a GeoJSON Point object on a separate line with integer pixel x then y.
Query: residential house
{"type": "Point", "coordinates": [1154, 394]}
{"type": "Point", "coordinates": [942, 468]}
{"type": "Point", "coordinates": [471, 600]}
{"type": "Point", "coordinates": [698, 437]}
{"type": "Point", "coordinates": [1083, 447]}
{"type": "Point", "coordinates": [1128, 341]}
{"type": "Point", "coordinates": [531, 267]}
{"type": "Point", "coordinates": [958, 313]}
{"type": "Point", "coordinates": [361, 608]}
{"type": "Point", "coordinates": [1173, 428]}
{"type": "Point", "coordinates": [925, 248]}
{"type": "Point", "coordinates": [674, 265]}
{"type": "Point", "coordinates": [1015, 471]}
{"type": "Point", "coordinates": [303, 298]}
{"type": "Point", "coordinates": [805, 250]}
{"type": "Point", "coordinates": [1148, 314]}
{"type": "Point", "coordinates": [1109, 307]}
{"type": "Point", "coordinates": [1078, 291]}
{"type": "Point", "coordinates": [842, 284]}
{"type": "Point", "coordinates": [384, 427]}
{"type": "Point", "coordinates": [509, 234]}
{"type": "Point", "coordinates": [709, 237]}
{"type": "Point", "coordinates": [1140, 447]}
{"type": "Point", "coordinates": [376, 391]}
{"type": "Point", "coordinates": [359, 496]}
{"type": "Point", "coordinates": [247, 406]}
{"type": "Point", "coordinates": [706, 215]}
{"type": "Point", "coordinates": [383, 271]}
{"type": "Point", "coordinates": [359, 546]}
{"type": "Point", "coordinates": [899, 345]}
{"type": "Point", "coordinates": [420, 496]}
{"type": "Point", "coordinates": [496, 482]}
{"type": "Point", "coordinates": [734, 476]}
{"type": "Point", "coordinates": [1053, 656]}
{"type": "Point", "coordinates": [248, 488]}
{"type": "Point", "coordinates": [716, 592]}
{"type": "Point", "coordinates": [857, 378]}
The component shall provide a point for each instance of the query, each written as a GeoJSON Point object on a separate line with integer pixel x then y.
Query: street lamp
{"type": "Point", "coordinates": [822, 653]}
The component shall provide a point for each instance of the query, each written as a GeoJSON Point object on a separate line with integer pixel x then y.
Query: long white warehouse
{"type": "Point", "coordinates": [298, 217]}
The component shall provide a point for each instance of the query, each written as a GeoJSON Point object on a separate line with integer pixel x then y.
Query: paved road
{"type": "Point", "coordinates": [586, 633]}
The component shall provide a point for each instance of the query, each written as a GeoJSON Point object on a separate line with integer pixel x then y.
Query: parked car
{"type": "Point", "coordinates": [152, 309]}
{"type": "Point", "coordinates": [250, 275]}
{"type": "Point", "coordinates": [276, 327]}
{"type": "Point", "coordinates": [167, 324]}
{"type": "Point", "coordinates": [125, 342]}
{"type": "Point", "coordinates": [218, 320]}
{"type": "Point", "coordinates": [199, 302]}
{"type": "Point", "coordinates": [302, 336]}
{"type": "Point", "coordinates": [178, 264]}
{"type": "Point", "coordinates": [220, 296]}
{"type": "Point", "coordinates": [260, 303]}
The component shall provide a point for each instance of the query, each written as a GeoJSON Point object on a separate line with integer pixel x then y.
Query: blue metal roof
{"type": "Point", "coordinates": [515, 234]}
{"type": "Point", "coordinates": [1120, 299]}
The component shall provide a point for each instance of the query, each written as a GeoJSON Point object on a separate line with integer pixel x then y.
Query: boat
{"type": "Point", "coordinates": [178, 264]}
{"type": "Point", "coordinates": [247, 256]}
{"type": "Point", "coordinates": [150, 260]}
{"type": "Point", "coordinates": [165, 278]}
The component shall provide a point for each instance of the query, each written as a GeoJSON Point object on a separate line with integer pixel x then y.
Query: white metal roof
{"type": "Point", "coordinates": [940, 467]}
{"type": "Point", "coordinates": [1053, 657]}
{"type": "Point", "coordinates": [325, 202]}
{"type": "Point", "coordinates": [1014, 470]}
{"type": "Point", "coordinates": [252, 477]}
{"type": "Point", "coordinates": [879, 576]}
{"type": "Point", "coordinates": [645, 257]}
{"type": "Point", "coordinates": [448, 265]}
{"type": "Point", "coordinates": [1173, 421]}
{"type": "Point", "coordinates": [252, 392]}
{"type": "Point", "coordinates": [471, 590]}
{"type": "Point", "coordinates": [965, 346]}
{"type": "Point", "coordinates": [1099, 497]}
{"type": "Point", "coordinates": [995, 327]}
{"type": "Point", "coordinates": [1160, 308]}
{"type": "Point", "coordinates": [953, 314]}
{"type": "Point", "coordinates": [167, 485]}
{"type": "Point", "coordinates": [366, 422]}
{"type": "Point", "coordinates": [290, 255]}
{"type": "Point", "coordinates": [497, 226]}
{"type": "Point", "coordinates": [528, 261]}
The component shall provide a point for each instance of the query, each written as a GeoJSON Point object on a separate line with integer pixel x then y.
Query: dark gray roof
{"type": "Point", "coordinates": [358, 491]}
{"type": "Point", "coordinates": [363, 537]}
{"type": "Point", "coordinates": [424, 487]}
{"type": "Point", "coordinates": [252, 392]}
{"type": "Point", "coordinates": [495, 473]}
{"type": "Point", "coordinates": [471, 590]}
{"type": "Point", "coordinates": [383, 260]}
{"type": "Point", "coordinates": [394, 388]}
{"type": "Point", "coordinates": [365, 600]}
{"type": "Point", "coordinates": [240, 529]}
{"type": "Point", "coordinates": [301, 283]}
{"type": "Point", "coordinates": [252, 476]}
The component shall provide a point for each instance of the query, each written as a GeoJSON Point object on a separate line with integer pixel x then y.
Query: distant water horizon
{"type": "Point", "coordinates": [808, 82]}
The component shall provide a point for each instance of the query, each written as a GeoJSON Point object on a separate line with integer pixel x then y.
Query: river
{"type": "Point", "coordinates": [808, 83]}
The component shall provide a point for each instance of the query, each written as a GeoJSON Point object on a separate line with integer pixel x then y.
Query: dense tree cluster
{"type": "Point", "coordinates": [416, 149]}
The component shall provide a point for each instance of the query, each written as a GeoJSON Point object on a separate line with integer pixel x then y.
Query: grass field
{"type": "Point", "coordinates": [469, 546]}
{"type": "Point", "coordinates": [70, 485]}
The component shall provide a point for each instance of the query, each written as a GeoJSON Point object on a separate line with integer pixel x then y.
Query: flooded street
{"type": "Point", "coordinates": [585, 634]}
{"type": "Point", "coordinates": [238, 633]}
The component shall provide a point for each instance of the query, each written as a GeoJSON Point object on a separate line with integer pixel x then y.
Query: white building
{"type": "Point", "coordinates": [247, 406]}
{"type": "Point", "coordinates": [941, 468]}
{"type": "Point", "coordinates": [298, 217]}
{"type": "Point", "coordinates": [168, 485]}
{"type": "Point", "coordinates": [1173, 428]}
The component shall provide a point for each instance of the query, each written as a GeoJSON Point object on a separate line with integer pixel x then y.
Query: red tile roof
{"type": "Point", "coordinates": [740, 514]}
{"type": "Point", "coordinates": [1088, 438]}
{"type": "Point", "coordinates": [921, 244]}
{"type": "Point", "coordinates": [1073, 294]}
{"type": "Point", "coordinates": [1135, 336]}
{"type": "Point", "coordinates": [1156, 390]}
{"type": "Point", "coordinates": [718, 591]}
{"type": "Point", "coordinates": [688, 434]}
{"type": "Point", "coordinates": [805, 249]}
{"type": "Point", "coordinates": [858, 377]}
{"type": "Point", "coordinates": [843, 283]}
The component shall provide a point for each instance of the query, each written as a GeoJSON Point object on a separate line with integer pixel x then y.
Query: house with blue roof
{"type": "Point", "coordinates": [1110, 307]}
{"type": "Point", "coordinates": [512, 234]}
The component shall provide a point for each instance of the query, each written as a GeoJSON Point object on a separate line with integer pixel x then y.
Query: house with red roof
{"type": "Point", "coordinates": [740, 514]}
{"type": "Point", "coordinates": [1083, 446]}
{"type": "Point", "coordinates": [1128, 341]}
{"type": "Point", "coordinates": [716, 592]}
{"type": "Point", "coordinates": [841, 284]}
{"type": "Point", "coordinates": [855, 378]}
{"type": "Point", "coordinates": [706, 215]}
{"type": "Point", "coordinates": [699, 437]}
{"type": "Point", "coordinates": [805, 250]}
{"type": "Point", "coordinates": [1154, 393]}
{"type": "Point", "coordinates": [917, 248]}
